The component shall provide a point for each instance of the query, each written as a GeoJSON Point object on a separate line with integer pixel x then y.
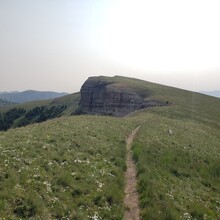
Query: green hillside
{"type": "Point", "coordinates": [182, 103]}
{"type": "Point", "coordinates": [38, 111]}
{"type": "Point", "coordinates": [72, 167]}
{"type": "Point", "coordinates": [71, 101]}
{"type": "Point", "coordinates": [178, 167]}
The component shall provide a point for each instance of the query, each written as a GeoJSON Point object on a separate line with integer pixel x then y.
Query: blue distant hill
{"type": "Point", "coordinates": [29, 95]}
{"type": "Point", "coordinates": [212, 93]}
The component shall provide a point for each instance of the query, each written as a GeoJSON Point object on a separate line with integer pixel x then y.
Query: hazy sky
{"type": "Point", "coordinates": [57, 44]}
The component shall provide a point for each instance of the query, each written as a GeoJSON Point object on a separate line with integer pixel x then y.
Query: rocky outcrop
{"type": "Point", "coordinates": [109, 98]}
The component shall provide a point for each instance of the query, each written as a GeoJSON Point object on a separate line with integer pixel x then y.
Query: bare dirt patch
{"type": "Point", "coordinates": [131, 196]}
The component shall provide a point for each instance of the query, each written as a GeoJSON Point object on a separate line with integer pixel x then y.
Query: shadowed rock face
{"type": "Point", "coordinates": [105, 98]}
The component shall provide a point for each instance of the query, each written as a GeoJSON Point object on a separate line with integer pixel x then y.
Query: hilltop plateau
{"type": "Point", "coordinates": [105, 97]}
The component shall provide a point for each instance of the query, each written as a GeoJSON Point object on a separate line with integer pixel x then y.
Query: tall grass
{"type": "Point", "coordinates": [69, 168]}
{"type": "Point", "coordinates": [178, 168]}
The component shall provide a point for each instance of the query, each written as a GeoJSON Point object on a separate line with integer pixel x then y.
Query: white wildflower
{"type": "Point", "coordinates": [95, 216]}
{"type": "Point", "coordinates": [48, 185]}
{"type": "Point", "coordinates": [78, 161]}
{"type": "Point", "coordinates": [187, 216]}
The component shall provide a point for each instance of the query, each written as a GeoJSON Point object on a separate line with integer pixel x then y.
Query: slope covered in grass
{"type": "Point", "coordinates": [184, 103]}
{"type": "Point", "coordinates": [71, 101]}
{"type": "Point", "coordinates": [73, 167]}
{"type": "Point", "coordinates": [178, 168]}
{"type": "Point", "coordinates": [36, 112]}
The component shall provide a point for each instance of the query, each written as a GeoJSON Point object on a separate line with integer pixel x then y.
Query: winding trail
{"type": "Point", "coordinates": [131, 203]}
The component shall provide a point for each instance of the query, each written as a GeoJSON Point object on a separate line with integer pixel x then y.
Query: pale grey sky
{"type": "Point", "coordinates": [56, 45]}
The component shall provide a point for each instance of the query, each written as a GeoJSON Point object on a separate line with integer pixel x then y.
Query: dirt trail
{"type": "Point", "coordinates": [131, 196]}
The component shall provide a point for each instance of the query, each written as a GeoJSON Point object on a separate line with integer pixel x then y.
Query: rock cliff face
{"type": "Point", "coordinates": [108, 98]}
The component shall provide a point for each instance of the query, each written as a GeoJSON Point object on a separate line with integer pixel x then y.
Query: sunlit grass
{"type": "Point", "coordinates": [178, 169]}
{"type": "Point", "coordinates": [73, 167]}
{"type": "Point", "coordinates": [66, 168]}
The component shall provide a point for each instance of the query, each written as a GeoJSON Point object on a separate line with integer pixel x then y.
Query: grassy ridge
{"type": "Point", "coordinates": [71, 167]}
{"type": "Point", "coordinates": [178, 168]}
{"type": "Point", "coordinates": [71, 101]}
{"type": "Point", "coordinates": [184, 104]}
{"type": "Point", "coordinates": [36, 112]}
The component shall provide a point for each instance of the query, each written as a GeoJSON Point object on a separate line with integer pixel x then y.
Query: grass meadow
{"type": "Point", "coordinates": [67, 168]}
{"type": "Point", "coordinates": [178, 165]}
{"type": "Point", "coordinates": [72, 167]}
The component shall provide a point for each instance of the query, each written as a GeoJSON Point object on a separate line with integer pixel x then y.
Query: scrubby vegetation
{"type": "Point", "coordinates": [18, 117]}
{"type": "Point", "coordinates": [5, 103]}
{"type": "Point", "coordinates": [7, 119]}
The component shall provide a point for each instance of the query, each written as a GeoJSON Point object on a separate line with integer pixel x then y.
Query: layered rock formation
{"type": "Point", "coordinates": [108, 98]}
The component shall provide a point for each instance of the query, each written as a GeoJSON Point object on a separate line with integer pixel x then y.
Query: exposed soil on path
{"type": "Point", "coordinates": [131, 196]}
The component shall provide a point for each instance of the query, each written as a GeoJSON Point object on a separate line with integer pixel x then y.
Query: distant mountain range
{"type": "Point", "coordinates": [29, 95]}
{"type": "Point", "coordinates": [211, 93]}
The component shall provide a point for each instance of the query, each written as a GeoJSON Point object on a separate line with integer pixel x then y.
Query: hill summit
{"type": "Point", "coordinates": [104, 96]}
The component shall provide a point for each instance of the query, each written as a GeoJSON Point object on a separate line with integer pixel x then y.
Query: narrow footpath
{"type": "Point", "coordinates": [132, 210]}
